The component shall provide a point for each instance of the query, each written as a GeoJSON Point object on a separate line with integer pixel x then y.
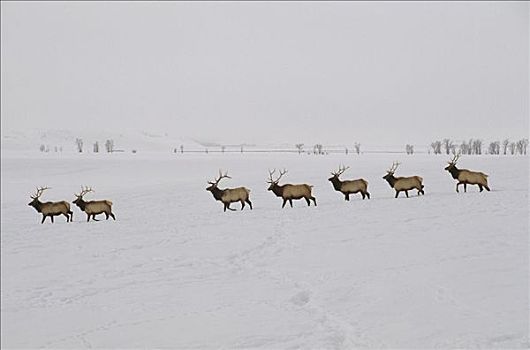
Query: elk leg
{"type": "Point", "coordinates": [291, 202]}
{"type": "Point", "coordinates": [346, 196]}
{"type": "Point", "coordinates": [249, 203]}
{"type": "Point", "coordinates": [465, 187]}
{"type": "Point", "coordinates": [94, 217]}
{"type": "Point", "coordinates": [457, 186]}
{"type": "Point", "coordinates": [397, 194]}
{"type": "Point", "coordinates": [284, 202]}
{"type": "Point", "coordinates": [242, 204]}
{"type": "Point", "coordinates": [67, 217]}
{"type": "Point", "coordinates": [71, 215]}
{"type": "Point", "coordinates": [362, 194]}
{"type": "Point", "coordinates": [308, 202]}
{"type": "Point", "coordinates": [106, 216]}
{"type": "Point", "coordinates": [43, 218]}
{"type": "Point", "coordinates": [407, 193]}
{"type": "Point", "coordinates": [87, 217]}
{"type": "Point", "coordinates": [228, 207]}
{"type": "Point", "coordinates": [481, 188]}
{"type": "Point", "coordinates": [487, 188]}
{"type": "Point", "coordinates": [112, 216]}
{"type": "Point", "coordinates": [314, 200]}
{"type": "Point", "coordinates": [51, 216]}
{"type": "Point", "coordinates": [368, 194]}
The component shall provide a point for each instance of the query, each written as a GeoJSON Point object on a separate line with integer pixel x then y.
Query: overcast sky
{"type": "Point", "coordinates": [268, 72]}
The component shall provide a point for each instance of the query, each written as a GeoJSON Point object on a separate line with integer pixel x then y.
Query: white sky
{"type": "Point", "coordinates": [268, 72]}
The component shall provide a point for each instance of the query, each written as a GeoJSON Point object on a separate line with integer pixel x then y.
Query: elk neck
{"type": "Point", "coordinates": [217, 193]}
{"type": "Point", "coordinates": [390, 178]}
{"type": "Point", "coordinates": [37, 204]}
{"type": "Point", "coordinates": [337, 184]}
{"type": "Point", "coordinates": [278, 190]}
{"type": "Point", "coordinates": [454, 171]}
{"type": "Point", "coordinates": [80, 202]}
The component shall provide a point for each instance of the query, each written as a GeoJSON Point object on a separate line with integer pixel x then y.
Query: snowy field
{"type": "Point", "coordinates": [444, 270]}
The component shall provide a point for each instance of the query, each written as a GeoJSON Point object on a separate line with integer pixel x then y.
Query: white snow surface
{"type": "Point", "coordinates": [444, 270]}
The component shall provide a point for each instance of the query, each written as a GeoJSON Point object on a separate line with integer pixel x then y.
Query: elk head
{"type": "Point", "coordinates": [79, 197]}
{"type": "Point", "coordinates": [273, 183]}
{"type": "Point", "coordinates": [390, 172]}
{"type": "Point", "coordinates": [215, 183]}
{"type": "Point", "coordinates": [452, 162]}
{"type": "Point", "coordinates": [35, 198]}
{"type": "Point", "coordinates": [335, 175]}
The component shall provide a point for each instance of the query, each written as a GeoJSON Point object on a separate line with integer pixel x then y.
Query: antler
{"type": "Point", "coordinates": [271, 180]}
{"type": "Point", "coordinates": [84, 191]}
{"type": "Point", "coordinates": [341, 171]}
{"type": "Point", "coordinates": [39, 192]}
{"type": "Point", "coordinates": [393, 168]}
{"type": "Point", "coordinates": [456, 156]}
{"type": "Point", "coordinates": [221, 176]}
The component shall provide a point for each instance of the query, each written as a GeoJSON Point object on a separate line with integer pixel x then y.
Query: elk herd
{"type": "Point", "coordinates": [287, 192]}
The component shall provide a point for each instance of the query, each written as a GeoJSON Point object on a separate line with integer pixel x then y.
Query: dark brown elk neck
{"type": "Point", "coordinates": [37, 205]}
{"type": "Point", "coordinates": [80, 202]}
{"type": "Point", "coordinates": [391, 180]}
{"type": "Point", "coordinates": [217, 193]}
{"type": "Point", "coordinates": [278, 190]}
{"type": "Point", "coordinates": [337, 184]}
{"type": "Point", "coordinates": [454, 171]}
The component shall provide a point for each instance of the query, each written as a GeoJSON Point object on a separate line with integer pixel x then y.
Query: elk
{"type": "Point", "coordinates": [50, 209]}
{"type": "Point", "coordinates": [229, 195]}
{"type": "Point", "coordinates": [349, 186]}
{"type": "Point", "coordinates": [466, 177]}
{"type": "Point", "coordinates": [403, 183]}
{"type": "Point", "coordinates": [289, 192]}
{"type": "Point", "coordinates": [93, 208]}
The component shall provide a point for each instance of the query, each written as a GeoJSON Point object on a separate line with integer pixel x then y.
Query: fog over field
{"type": "Point", "coordinates": [146, 101]}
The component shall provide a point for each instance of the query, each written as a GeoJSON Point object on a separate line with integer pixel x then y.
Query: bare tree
{"type": "Point", "coordinates": [357, 146]}
{"type": "Point", "coordinates": [223, 149]}
{"type": "Point", "coordinates": [42, 148]}
{"type": "Point", "coordinates": [477, 146]}
{"type": "Point", "coordinates": [109, 146]}
{"type": "Point", "coordinates": [79, 143]}
{"type": "Point", "coordinates": [448, 145]}
{"type": "Point", "coordinates": [299, 147]}
{"type": "Point", "coordinates": [96, 147]}
{"type": "Point", "coordinates": [521, 146]}
{"type": "Point", "coordinates": [513, 147]}
{"type": "Point", "coordinates": [437, 147]}
{"type": "Point", "coordinates": [181, 148]}
{"type": "Point", "coordinates": [409, 149]}
{"type": "Point", "coordinates": [505, 144]}
{"type": "Point", "coordinates": [317, 149]}
{"type": "Point", "coordinates": [494, 147]}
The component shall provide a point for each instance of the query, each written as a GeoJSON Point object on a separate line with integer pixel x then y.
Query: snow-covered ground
{"type": "Point", "coordinates": [444, 270]}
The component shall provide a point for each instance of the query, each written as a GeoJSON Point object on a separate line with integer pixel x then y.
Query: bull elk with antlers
{"type": "Point", "coordinates": [289, 192]}
{"type": "Point", "coordinates": [467, 177]}
{"type": "Point", "coordinates": [50, 209]}
{"type": "Point", "coordinates": [348, 187]}
{"type": "Point", "coordinates": [403, 183]}
{"type": "Point", "coordinates": [229, 195]}
{"type": "Point", "coordinates": [93, 208]}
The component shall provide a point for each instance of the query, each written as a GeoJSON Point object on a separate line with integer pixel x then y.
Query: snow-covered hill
{"type": "Point", "coordinates": [444, 270]}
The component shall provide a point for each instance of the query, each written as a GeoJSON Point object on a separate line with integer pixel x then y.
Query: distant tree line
{"type": "Point", "coordinates": [474, 146]}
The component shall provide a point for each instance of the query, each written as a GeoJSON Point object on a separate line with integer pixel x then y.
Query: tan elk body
{"type": "Point", "coordinates": [93, 208]}
{"type": "Point", "coordinates": [50, 209]}
{"type": "Point", "coordinates": [289, 192]}
{"type": "Point", "coordinates": [348, 187]}
{"type": "Point", "coordinates": [229, 195]}
{"type": "Point", "coordinates": [467, 177]}
{"type": "Point", "coordinates": [404, 184]}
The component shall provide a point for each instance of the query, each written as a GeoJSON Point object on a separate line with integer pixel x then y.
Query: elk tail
{"type": "Point", "coordinates": [109, 202]}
